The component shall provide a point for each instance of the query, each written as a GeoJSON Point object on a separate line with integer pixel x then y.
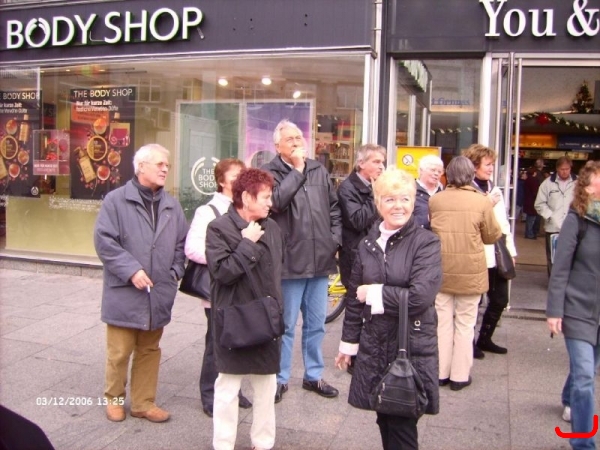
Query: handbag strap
{"type": "Point", "coordinates": [216, 211]}
{"type": "Point", "coordinates": [403, 324]}
{"type": "Point", "coordinates": [250, 275]}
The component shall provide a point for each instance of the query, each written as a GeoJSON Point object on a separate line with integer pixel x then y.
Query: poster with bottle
{"type": "Point", "coordinates": [20, 114]}
{"type": "Point", "coordinates": [101, 140]}
{"type": "Point", "coordinates": [51, 152]}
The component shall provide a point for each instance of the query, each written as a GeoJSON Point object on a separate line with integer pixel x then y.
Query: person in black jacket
{"type": "Point", "coordinates": [397, 255]}
{"type": "Point", "coordinates": [306, 208]}
{"type": "Point", "coordinates": [355, 195]}
{"type": "Point", "coordinates": [245, 234]}
{"type": "Point", "coordinates": [431, 169]}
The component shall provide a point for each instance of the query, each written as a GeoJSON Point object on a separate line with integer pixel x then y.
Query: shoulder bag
{"type": "Point", "coordinates": [196, 278]}
{"type": "Point", "coordinates": [504, 261]}
{"type": "Point", "coordinates": [252, 323]}
{"type": "Point", "coordinates": [401, 391]}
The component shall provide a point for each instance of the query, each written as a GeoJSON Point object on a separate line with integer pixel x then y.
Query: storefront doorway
{"type": "Point", "coordinates": [548, 103]}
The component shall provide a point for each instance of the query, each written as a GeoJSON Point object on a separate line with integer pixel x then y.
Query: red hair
{"type": "Point", "coordinates": [251, 181]}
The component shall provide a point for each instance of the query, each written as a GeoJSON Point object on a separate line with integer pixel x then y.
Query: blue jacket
{"type": "Point", "coordinates": [126, 242]}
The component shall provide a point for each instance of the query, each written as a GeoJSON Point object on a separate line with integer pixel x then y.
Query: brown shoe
{"type": "Point", "coordinates": [154, 414]}
{"type": "Point", "coordinates": [115, 413]}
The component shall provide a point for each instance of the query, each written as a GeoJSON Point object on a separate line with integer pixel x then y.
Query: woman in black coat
{"type": "Point", "coordinates": [245, 234]}
{"type": "Point", "coordinates": [396, 255]}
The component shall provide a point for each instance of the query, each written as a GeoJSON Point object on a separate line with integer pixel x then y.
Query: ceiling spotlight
{"type": "Point", "coordinates": [222, 81]}
{"type": "Point", "coordinates": [296, 94]}
{"type": "Point", "coordinates": [266, 81]}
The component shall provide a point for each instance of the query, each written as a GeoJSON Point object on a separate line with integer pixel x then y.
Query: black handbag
{"type": "Point", "coordinates": [401, 391]}
{"type": "Point", "coordinates": [504, 261]}
{"type": "Point", "coordinates": [252, 323]}
{"type": "Point", "coordinates": [196, 278]}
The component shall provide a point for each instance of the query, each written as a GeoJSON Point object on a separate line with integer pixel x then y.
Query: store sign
{"type": "Point", "coordinates": [164, 24]}
{"type": "Point", "coordinates": [582, 22]}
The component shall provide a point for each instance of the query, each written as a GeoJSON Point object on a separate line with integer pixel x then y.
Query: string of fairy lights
{"type": "Point", "coordinates": [542, 118]}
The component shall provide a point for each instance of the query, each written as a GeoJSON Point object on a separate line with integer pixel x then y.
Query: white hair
{"type": "Point", "coordinates": [144, 154]}
{"type": "Point", "coordinates": [430, 160]}
{"type": "Point", "coordinates": [285, 123]}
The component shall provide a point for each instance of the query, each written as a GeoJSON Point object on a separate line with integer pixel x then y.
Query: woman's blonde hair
{"type": "Point", "coordinates": [393, 180]}
{"type": "Point", "coordinates": [581, 197]}
{"type": "Point", "coordinates": [476, 152]}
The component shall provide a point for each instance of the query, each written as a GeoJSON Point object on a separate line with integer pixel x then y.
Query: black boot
{"type": "Point", "coordinates": [485, 340]}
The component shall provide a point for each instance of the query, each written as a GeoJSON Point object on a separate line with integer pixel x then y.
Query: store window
{"type": "Point", "coordinates": [73, 141]}
{"type": "Point", "coordinates": [437, 104]}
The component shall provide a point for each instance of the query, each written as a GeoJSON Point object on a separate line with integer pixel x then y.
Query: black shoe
{"type": "Point", "coordinates": [243, 402]}
{"type": "Point", "coordinates": [281, 389]}
{"type": "Point", "coordinates": [458, 385]}
{"type": "Point", "coordinates": [489, 346]}
{"type": "Point", "coordinates": [320, 387]}
{"type": "Point", "coordinates": [477, 353]}
{"type": "Point", "coordinates": [208, 410]}
{"type": "Point", "coordinates": [444, 382]}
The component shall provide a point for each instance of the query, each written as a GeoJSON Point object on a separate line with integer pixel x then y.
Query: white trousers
{"type": "Point", "coordinates": [225, 411]}
{"type": "Point", "coordinates": [457, 316]}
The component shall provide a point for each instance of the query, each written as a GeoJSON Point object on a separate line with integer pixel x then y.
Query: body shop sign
{"type": "Point", "coordinates": [114, 27]}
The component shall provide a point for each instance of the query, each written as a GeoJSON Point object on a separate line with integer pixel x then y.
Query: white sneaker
{"type": "Point", "coordinates": [566, 415]}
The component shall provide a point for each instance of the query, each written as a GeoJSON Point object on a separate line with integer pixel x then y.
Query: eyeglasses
{"type": "Point", "coordinates": [292, 139]}
{"type": "Point", "coordinates": [436, 171]}
{"type": "Point", "coordinates": [160, 165]}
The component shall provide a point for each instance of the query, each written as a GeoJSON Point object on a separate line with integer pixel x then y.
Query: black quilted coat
{"type": "Point", "coordinates": [411, 261]}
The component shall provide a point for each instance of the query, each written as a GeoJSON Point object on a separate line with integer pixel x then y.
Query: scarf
{"type": "Point", "coordinates": [593, 211]}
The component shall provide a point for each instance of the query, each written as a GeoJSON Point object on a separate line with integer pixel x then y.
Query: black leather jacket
{"type": "Point", "coordinates": [358, 214]}
{"type": "Point", "coordinates": [305, 206]}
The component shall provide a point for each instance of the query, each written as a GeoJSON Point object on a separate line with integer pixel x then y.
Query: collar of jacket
{"type": "Point", "coordinates": [553, 177]}
{"type": "Point", "coordinates": [408, 228]}
{"type": "Point", "coordinates": [133, 194]}
{"type": "Point", "coordinates": [279, 165]}
{"type": "Point", "coordinates": [470, 188]}
{"type": "Point", "coordinates": [359, 184]}
{"type": "Point", "coordinates": [239, 221]}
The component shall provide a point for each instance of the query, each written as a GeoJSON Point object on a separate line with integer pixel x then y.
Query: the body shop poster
{"type": "Point", "coordinates": [101, 140]}
{"type": "Point", "coordinates": [19, 116]}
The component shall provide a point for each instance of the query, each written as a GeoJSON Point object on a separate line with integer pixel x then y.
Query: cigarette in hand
{"type": "Point", "coordinates": [148, 289]}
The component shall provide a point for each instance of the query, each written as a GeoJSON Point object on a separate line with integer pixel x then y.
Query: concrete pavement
{"type": "Point", "coordinates": [52, 350]}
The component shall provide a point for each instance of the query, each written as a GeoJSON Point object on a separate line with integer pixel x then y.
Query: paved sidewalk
{"type": "Point", "coordinates": [52, 347]}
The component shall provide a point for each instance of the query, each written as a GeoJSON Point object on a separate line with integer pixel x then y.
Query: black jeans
{"type": "Point", "coordinates": [208, 373]}
{"type": "Point", "coordinates": [549, 252]}
{"type": "Point", "coordinates": [398, 433]}
{"type": "Point", "coordinates": [497, 298]}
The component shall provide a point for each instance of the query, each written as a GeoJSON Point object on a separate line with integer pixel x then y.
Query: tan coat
{"type": "Point", "coordinates": [463, 218]}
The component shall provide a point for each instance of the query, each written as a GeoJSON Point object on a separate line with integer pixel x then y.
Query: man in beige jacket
{"type": "Point", "coordinates": [463, 218]}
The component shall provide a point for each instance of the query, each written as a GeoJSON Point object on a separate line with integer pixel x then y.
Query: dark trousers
{"type": "Point", "coordinates": [398, 433]}
{"type": "Point", "coordinates": [532, 226]}
{"type": "Point", "coordinates": [209, 373]}
{"type": "Point", "coordinates": [497, 299]}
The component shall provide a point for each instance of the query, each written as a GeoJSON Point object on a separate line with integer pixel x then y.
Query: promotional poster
{"type": "Point", "coordinates": [101, 140]}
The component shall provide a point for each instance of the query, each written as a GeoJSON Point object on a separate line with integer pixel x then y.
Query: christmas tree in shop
{"type": "Point", "coordinates": [583, 103]}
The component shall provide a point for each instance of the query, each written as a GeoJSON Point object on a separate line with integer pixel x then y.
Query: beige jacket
{"type": "Point", "coordinates": [463, 218]}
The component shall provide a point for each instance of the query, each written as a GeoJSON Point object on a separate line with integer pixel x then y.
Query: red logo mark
{"type": "Point", "coordinates": [592, 433]}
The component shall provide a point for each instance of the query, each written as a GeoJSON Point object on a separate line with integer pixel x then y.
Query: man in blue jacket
{"type": "Point", "coordinates": [139, 237]}
{"type": "Point", "coordinates": [305, 207]}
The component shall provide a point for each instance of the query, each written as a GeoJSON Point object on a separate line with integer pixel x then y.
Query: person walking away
{"type": "Point", "coordinates": [532, 218]}
{"type": "Point", "coordinates": [573, 306]}
{"type": "Point", "coordinates": [483, 158]}
{"type": "Point", "coordinates": [463, 218]}
{"type": "Point", "coordinates": [431, 169]}
{"type": "Point", "coordinates": [397, 257]}
{"type": "Point", "coordinates": [245, 237]}
{"type": "Point", "coordinates": [355, 196]}
{"type": "Point", "coordinates": [226, 172]}
{"type": "Point", "coordinates": [305, 206]}
{"type": "Point", "coordinates": [139, 237]}
{"type": "Point", "coordinates": [553, 200]}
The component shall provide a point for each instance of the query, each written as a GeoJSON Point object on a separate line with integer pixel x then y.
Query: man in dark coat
{"type": "Point", "coordinates": [431, 169]}
{"type": "Point", "coordinates": [139, 237]}
{"type": "Point", "coordinates": [355, 195]}
{"type": "Point", "coordinates": [305, 207]}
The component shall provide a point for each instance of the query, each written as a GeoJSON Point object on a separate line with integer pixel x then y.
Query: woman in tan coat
{"type": "Point", "coordinates": [463, 218]}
